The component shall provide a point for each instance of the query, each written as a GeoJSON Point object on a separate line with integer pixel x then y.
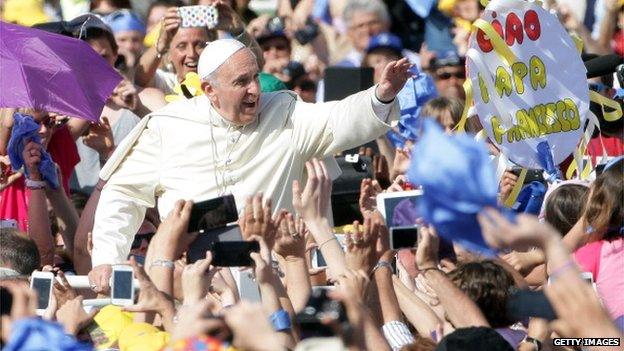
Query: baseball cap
{"type": "Point", "coordinates": [447, 58]}
{"type": "Point", "coordinates": [385, 40]}
{"type": "Point", "coordinates": [124, 20]}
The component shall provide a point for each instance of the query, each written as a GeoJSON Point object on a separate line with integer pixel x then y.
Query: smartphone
{"type": "Point", "coordinates": [7, 301]}
{"type": "Point", "coordinates": [203, 242]}
{"type": "Point", "coordinates": [212, 214]}
{"type": "Point", "coordinates": [404, 201]}
{"type": "Point", "coordinates": [199, 16]}
{"type": "Point", "coordinates": [320, 309]}
{"type": "Point", "coordinates": [8, 223]}
{"type": "Point", "coordinates": [403, 237]}
{"type": "Point", "coordinates": [233, 253]}
{"type": "Point", "coordinates": [41, 282]}
{"type": "Point", "coordinates": [122, 285]}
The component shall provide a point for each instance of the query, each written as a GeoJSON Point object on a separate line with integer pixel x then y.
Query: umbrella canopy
{"type": "Point", "coordinates": [54, 73]}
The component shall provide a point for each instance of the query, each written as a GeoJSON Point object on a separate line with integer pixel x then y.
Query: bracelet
{"type": "Point", "coordinates": [162, 263]}
{"type": "Point", "coordinates": [326, 241]}
{"type": "Point", "coordinates": [535, 342]}
{"type": "Point", "coordinates": [384, 264]}
{"type": "Point", "coordinates": [555, 273]}
{"type": "Point", "coordinates": [280, 320]}
{"type": "Point", "coordinates": [35, 184]}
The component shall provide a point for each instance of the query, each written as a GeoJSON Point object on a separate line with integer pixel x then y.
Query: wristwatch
{"type": "Point", "coordinates": [535, 342]}
{"type": "Point", "coordinates": [35, 184]}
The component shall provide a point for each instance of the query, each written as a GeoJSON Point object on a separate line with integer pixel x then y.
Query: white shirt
{"type": "Point", "coordinates": [188, 151]}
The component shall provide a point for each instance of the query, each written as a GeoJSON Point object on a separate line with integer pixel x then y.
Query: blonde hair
{"type": "Point", "coordinates": [436, 108]}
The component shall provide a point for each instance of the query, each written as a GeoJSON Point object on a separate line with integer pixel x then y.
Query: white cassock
{"type": "Point", "coordinates": [188, 151]}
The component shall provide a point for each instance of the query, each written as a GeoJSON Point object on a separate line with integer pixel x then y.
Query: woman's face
{"type": "Point", "coordinates": [186, 46]}
{"type": "Point", "coordinates": [47, 125]}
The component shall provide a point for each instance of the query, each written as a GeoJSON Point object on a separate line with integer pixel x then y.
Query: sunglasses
{"type": "Point", "coordinates": [138, 239]}
{"type": "Point", "coordinates": [448, 75]}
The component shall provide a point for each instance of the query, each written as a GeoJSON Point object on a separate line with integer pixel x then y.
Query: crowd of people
{"type": "Point", "coordinates": [239, 109]}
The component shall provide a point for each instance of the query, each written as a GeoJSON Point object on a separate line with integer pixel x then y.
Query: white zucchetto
{"type": "Point", "coordinates": [215, 54]}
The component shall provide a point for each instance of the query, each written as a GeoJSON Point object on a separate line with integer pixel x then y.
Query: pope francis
{"type": "Point", "coordinates": [233, 139]}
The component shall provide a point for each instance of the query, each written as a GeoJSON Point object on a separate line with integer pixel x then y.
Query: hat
{"type": "Point", "coordinates": [447, 58]}
{"type": "Point", "coordinates": [123, 21]}
{"type": "Point", "coordinates": [274, 29]}
{"type": "Point", "coordinates": [142, 337]}
{"type": "Point", "coordinates": [215, 54]}
{"type": "Point", "coordinates": [77, 27]}
{"type": "Point", "coordinates": [474, 339]}
{"type": "Point", "coordinates": [24, 12]}
{"type": "Point", "coordinates": [386, 41]}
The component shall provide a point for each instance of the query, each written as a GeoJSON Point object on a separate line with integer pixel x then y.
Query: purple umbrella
{"type": "Point", "coordinates": [53, 73]}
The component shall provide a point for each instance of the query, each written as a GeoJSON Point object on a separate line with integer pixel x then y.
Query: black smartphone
{"type": "Point", "coordinates": [320, 308]}
{"type": "Point", "coordinates": [203, 242]}
{"type": "Point", "coordinates": [533, 175]}
{"type": "Point", "coordinates": [233, 253]}
{"type": "Point", "coordinates": [403, 237]}
{"type": "Point", "coordinates": [523, 304]}
{"type": "Point", "coordinates": [6, 299]}
{"type": "Point", "coordinates": [212, 214]}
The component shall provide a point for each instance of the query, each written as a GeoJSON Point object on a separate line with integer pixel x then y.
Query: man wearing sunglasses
{"type": "Point", "coordinates": [449, 74]}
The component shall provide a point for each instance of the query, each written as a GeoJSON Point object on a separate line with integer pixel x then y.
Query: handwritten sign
{"type": "Point", "coordinates": [530, 84]}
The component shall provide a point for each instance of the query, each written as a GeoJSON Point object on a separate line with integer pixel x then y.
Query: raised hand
{"type": "Point", "coordinates": [369, 189]}
{"type": "Point", "coordinates": [32, 158]}
{"type": "Point", "coordinates": [169, 27]}
{"type": "Point", "coordinates": [392, 80]}
{"type": "Point", "coordinates": [499, 233]}
{"type": "Point", "coordinates": [195, 280]}
{"type": "Point", "coordinates": [150, 298]}
{"type": "Point", "coordinates": [171, 238]}
{"type": "Point", "coordinates": [100, 138]}
{"type": "Point", "coordinates": [427, 251]}
{"type": "Point", "coordinates": [125, 95]}
{"type": "Point", "coordinates": [73, 316]}
{"type": "Point", "coordinates": [313, 202]}
{"type": "Point", "coordinates": [381, 172]}
{"type": "Point", "coordinates": [361, 245]}
{"type": "Point", "coordinates": [63, 292]}
{"type": "Point", "coordinates": [257, 220]}
{"type": "Point", "coordinates": [290, 238]}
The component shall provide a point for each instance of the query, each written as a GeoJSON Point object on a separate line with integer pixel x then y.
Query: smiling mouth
{"type": "Point", "coordinates": [191, 65]}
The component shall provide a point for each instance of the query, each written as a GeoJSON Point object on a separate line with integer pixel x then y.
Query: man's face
{"type": "Point", "coordinates": [449, 81]}
{"type": "Point", "coordinates": [378, 59]}
{"type": "Point", "coordinates": [103, 47]}
{"type": "Point", "coordinates": [186, 46]}
{"type": "Point", "coordinates": [130, 41]}
{"type": "Point", "coordinates": [362, 27]}
{"type": "Point", "coordinates": [237, 90]}
{"type": "Point", "coordinates": [275, 49]}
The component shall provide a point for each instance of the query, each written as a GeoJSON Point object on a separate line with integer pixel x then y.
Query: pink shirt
{"type": "Point", "coordinates": [606, 261]}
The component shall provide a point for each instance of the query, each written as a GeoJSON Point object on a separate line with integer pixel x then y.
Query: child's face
{"type": "Point", "coordinates": [467, 9]}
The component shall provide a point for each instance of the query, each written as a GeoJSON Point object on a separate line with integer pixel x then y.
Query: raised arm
{"type": "Point", "coordinates": [324, 129]}
{"type": "Point", "coordinates": [460, 309]}
{"type": "Point", "coordinates": [123, 202]}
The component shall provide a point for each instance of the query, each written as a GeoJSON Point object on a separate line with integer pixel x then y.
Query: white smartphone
{"type": "Point", "coordinates": [199, 16]}
{"type": "Point", "coordinates": [387, 202]}
{"type": "Point", "coordinates": [41, 282]}
{"type": "Point", "coordinates": [122, 285]}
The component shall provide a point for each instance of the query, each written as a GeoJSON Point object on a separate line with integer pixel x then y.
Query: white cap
{"type": "Point", "coordinates": [215, 54]}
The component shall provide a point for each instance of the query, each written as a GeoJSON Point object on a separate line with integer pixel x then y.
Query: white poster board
{"type": "Point", "coordinates": [542, 96]}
